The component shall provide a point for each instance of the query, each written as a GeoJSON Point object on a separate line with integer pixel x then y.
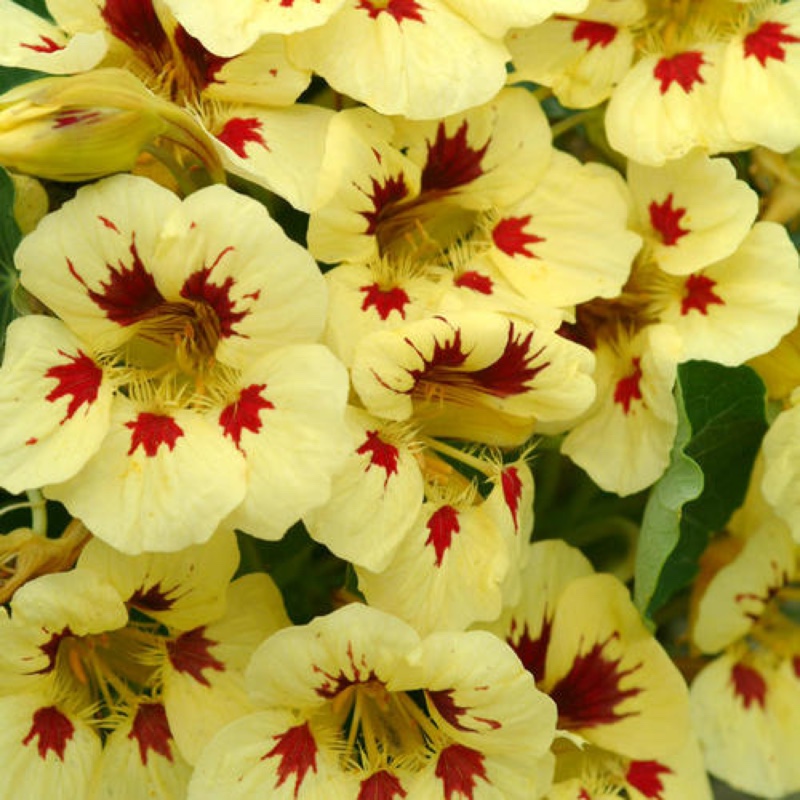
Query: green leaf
{"type": "Point", "coordinates": [722, 421]}
{"type": "Point", "coordinates": [37, 6]}
{"type": "Point", "coordinates": [9, 239]}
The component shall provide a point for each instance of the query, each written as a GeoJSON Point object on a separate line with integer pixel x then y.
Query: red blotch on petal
{"type": "Point", "coordinates": [446, 706]}
{"type": "Point", "coordinates": [202, 64]}
{"type": "Point", "coordinates": [383, 196]}
{"type": "Point", "coordinates": [64, 119]}
{"type": "Point", "coordinates": [45, 45]}
{"type": "Point", "coordinates": [683, 69]}
{"type": "Point", "coordinates": [511, 484]}
{"type": "Point", "coordinates": [333, 684]}
{"type": "Point", "coordinates": [699, 295]}
{"type": "Point", "coordinates": [645, 777]}
{"type": "Point", "coordinates": [136, 23]}
{"type": "Point", "coordinates": [245, 413]}
{"type": "Point", "coordinates": [53, 730]}
{"type": "Point", "coordinates": [510, 236]}
{"type": "Point", "coordinates": [151, 731]}
{"type": "Point", "coordinates": [475, 281]}
{"type": "Point", "coordinates": [594, 33]}
{"type": "Point", "coordinates": [532, 652]}
{"type": "Point", "coordinates": [629, 388]}
{"type": "Point", "coordinates": [767, 41]}
{"type": "Point", "coordinates": [80, 379]}
{"type": "Point", "coordinates": [150, 431]}
{"type": "Point", "coordinates": [459, 768]}
{"type": "Point", "coordinates": [451, 162]}
{"type": "Point", "coordinates": [50, 649]}
{"type": "Point", "coordinates": [384, 301]}
{"type": "Point", "coordinates": [238, 132]}
{"type": "Point", "coordinates": [442, 525]}
{"type": "Point", "coordinates": [749, 685]}
{"type": "Point", "coordinates": [381, 454]}
{"type": "Point", "coordinates": [399, 9]}
{"type": "Point", "coordinates": [190, 653]}
{"type": "Point", "coordinates": [381, 786]}
{"type": "Point", "coordinates": [297, 752]}
{"type": "Point", "coordinates": [589, 694]}
{"type": "Point", "coordinates": [153, 599]}
{"type": "Point", "coordinates": [511, 373]}
{"type": "Point", "coordinates": [667, 221]}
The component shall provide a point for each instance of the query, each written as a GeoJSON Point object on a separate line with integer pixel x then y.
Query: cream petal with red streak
{"type": "Point", "coordinates": [691, 212]}
{"type": "Point", "coordinates": [59, 398]}
{"type": "Point", "coordinates": [421, 60]}
{"type": "Point", "coordinates": [159, 482]}
{"type": "Point", "coordinates": [291, 432]}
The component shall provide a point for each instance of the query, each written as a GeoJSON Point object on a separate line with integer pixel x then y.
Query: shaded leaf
{"type": "Point", "coordinates": [9, 239]}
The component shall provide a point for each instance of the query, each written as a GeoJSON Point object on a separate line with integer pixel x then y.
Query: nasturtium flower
{"type": "Point", "coordinates": [181, 384]}
{"type": "Point", "coordinates": [780, 479]}
{"type": "Point", "coordinates": [357, 705]}
{"type": "Point", "coordinates": [122, 668]}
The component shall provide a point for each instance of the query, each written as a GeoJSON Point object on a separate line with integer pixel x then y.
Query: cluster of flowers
{"type": "Point", "coordinates": [186, 370]}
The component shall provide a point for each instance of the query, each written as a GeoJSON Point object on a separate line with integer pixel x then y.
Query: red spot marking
{"type": "Point", "coordinates": [442, 526]}
{"type": "Point", "coordinates": [451, 162]}
{"type": "Point", "coordinates": [33, 440]}
{"type": "Point", "coordinates": [594, 33]}
{"type": "Point", "coordinates": [238, 132]}
{"type": "Point", "coordinates": [511, 372]}
{"type": "Point", "coordinates": [399, 9]}
{"type": "Point", "coordinates": [796, 666]}
{"type": "Point", "coordinates": [381, 454]}
{"type": "Point", "coordinates": [63, 119]}
{"type": "Point", "coordinates": [699, 295]}
{"type": "Point", "coordinates": [47, 45]}
{"type": "Point", "coordinates": [767, 42]}
{"type": "Point", "coordinates": [129, 295]}
{"type": "Point", "coordinates": [589, 694]}
{"type": "Point", "coordinates": [749, 685]}
{"type": "Point", "coordinates": [136, 23]}
{"type": "Point", "coordinates": [458, 768]}
{"type": "Point", "coordinates": [384, 301]}
{"type": "Point", "coordinates": [381, 786]}
{"type": "Point", "coordinates": [333, 684]}
{"type": "Point", "coordinates": [475, 281]}
{"type": "Point", "coordinates": [53, 729]}
{"type": "Point", "coordinates": [683, 69]}
{"type": "Point", "coordinates": [383, 196]}
{"type": "Point", "coordinates": [532, 652]}
{"type": "Point", "coordinates": [190, 653]}
{"type": "Point", "coordinates": [108, 223]}
{"type": "Point", "coordinates": [50, 649]}
{"type": "Point", "coordinates": [80, 379]}
{"type": "Point", "coordinates": [510, 236]}
{"type": "Point", "coordinates": [202, 64]}
{"type": "Point", "coordinates": [153, 599]}
{"type": "Point", "coordinates": [198, 288]}
{"type": "Point", "coordinates": [584, 795]}
{"type": "Point", "coordinates": [629, 388]}
{"type": "Point", "coordinates": [245, 413]}
{"type": "Point", "coordinates": [297, 752]}
{"type": "Point", "coordinates": [150, 431]}
{"type": "Point", "coordinates": [273, 72]}
{"type": "Point", "coordinates": [667, 221]}
{"type": "Point", "coordinates": [452, 713]}
{"type": "Point", "coordinates": [151, 730]}
{"type": "Point", "coordinates": [645, 777]}
{"type": "Point", "coordinates": [511, 484]}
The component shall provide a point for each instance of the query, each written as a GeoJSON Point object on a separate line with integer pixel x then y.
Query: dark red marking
{"type": "Point", "coordinates": [442, 525]}
{"type": "Point", "coordinates": [79, 379]}
{"type": "Point", "coordinates": [532, 652]}
{"type": "Point", "coordinates": [33, 440]}
{"type": "Point", "coordinates": [54, 730]}
{"type": "Point", "coordinates": [451, 162]}
{"type": "Point", "coordinates": [63, 119]}
{"type": "Point", "coordinates": [629, 388]}
{"type": "Point", "coordinates": [245, 413]}
{"type": "Point", "coordinates": [154, 599]}
{"type": "Point", "coordinates": [594, 33]}
{"type": "Point", "coordinates": [151, 731]}
{"type": "Point", "coordinates": [381, 454]}
{"type": "Point", "coordinates": [458, 768]}
{"type": "Point", "coordinates": [399, 9]}
{"type": "Point", "coordinates": [191, 653]}
{"type": "Point", "coordinates": [511, 484]}
{"type": "Point", "coordinates": [333, 684]}
{"type": "Point", "coordinates": [511, 373]}
{"type": "Point", "coordinates": [699, 295]}
{"type": "Point", "coordinates": [749, 685]}
{"type": "Point", "coordinates": [202, 64]}
{"type": "Point", "coordinates": [238, 132]}
{"type": "Point", "coordinates": [383, 196]}
{"type": "Point", "coordinates": [108, 223]}
{"type": "Point", "coordinates": [150, 431]}
{"type": "Point", "coordinates": [667, 221]}
{"type": "Point", "coordinates": [50, 649]}
{"type": "Point", "coordinates": [297, 752]}
{"type": "Point", "coordinates": [683, 69]}
{"type": "Point", "coordinates": [198, 288]}
{"type": "Point", "coordinates": [590, 693]}
{"type": "Point", "coordinates": [452, 713]}
{"type": "Point", "coordinates": [47, 45]}
{"type": "Point", "coordinates": [136, 23]}
{"type": "Point", "coordinates": [510, 236]}
{"type": "Point", "coordinates": [445, 357]}
{"type": "Point", "coordinates": [645, 777]}
{"type": "Point", "coordinates": [767, 41]}
{"type": "Point", "coordinates": [384, 301]}
{"type": "Point", "coordinates": [475, 281]}
{"type": "Point", "coordinates": [381, 786]}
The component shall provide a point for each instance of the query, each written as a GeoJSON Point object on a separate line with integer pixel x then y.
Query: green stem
{"type": "Point", "coordinates": [569, 123]}
{"type": "Point", "coordinates": [38, 511]}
